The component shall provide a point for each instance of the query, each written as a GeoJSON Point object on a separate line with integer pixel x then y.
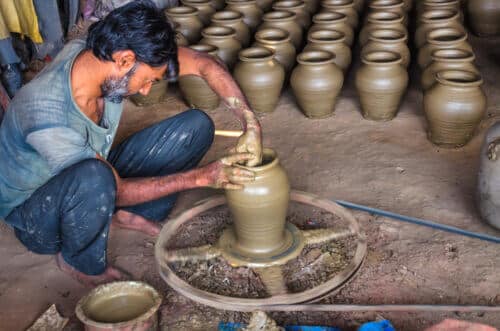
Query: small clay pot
{"type": "Point", "coordinates": [394, 6]}
{"type": "Point", "coordinates": [156, 94]}
{"type": "Point", "coordinates": [196, 91]}
{"type": "Point", "coordinates": [205, 9]}
{"type": "Point", "coordinates": [252, 14]}
{"type": "Point", "coordinates": [444, 38]}
{"type": "Point", "coordinates": [180, 40]}
{"type": "Point", "coordinates": [447, 59]}
{"type": "Point", "coordinates": [381, 20]}
{"type": "Point", "coordinates": [224, 38]}
{"type": "Point", "coordinates": [429, 5]}
{"type": "Point", "coordinates": [316, 82]}
{"type": "Point", "coordinates": [454, 107]}
{"type": "Point", "coordinates": [381, 82]}
{"type": "Point", "coordinates": [333, 21]}
{"type": "Point", "coordinates": [233, 19]}
{"type": "Point", "coordinates": [484, 17]}
{"type": "Point", "coordinates": [260, 77]}
{"type": "Point", "coordinates": [285, 20]}
{"type": "Point", "coordinates": [189, 24]}
{"type": "Point", "coordinates": [279, 41]}
{"type": "Point", "coordinates": [389, 40]}
{"type": "Point", "coordinates": [334, 42]}
{"type": "Point", "coordinates": [345, 7]}
{"type": "Point", "coordinates": [298, 7]}
{"type": "Point", "coordinates": [436, 19]}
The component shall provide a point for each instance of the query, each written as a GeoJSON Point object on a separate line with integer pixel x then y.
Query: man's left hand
{"type": "Point", "coordinates": [251, 142]}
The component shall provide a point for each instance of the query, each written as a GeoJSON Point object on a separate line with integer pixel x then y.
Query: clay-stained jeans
{"type": "Point", "coordinates": [72, 212]}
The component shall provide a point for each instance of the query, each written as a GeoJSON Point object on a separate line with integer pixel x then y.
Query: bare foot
{"type": "Point", "coordinates": [109, 275]}
{"type": "Point", "coordinates": [131, 221]}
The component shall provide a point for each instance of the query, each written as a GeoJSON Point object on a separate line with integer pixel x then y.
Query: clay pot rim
{"type": "Point", "coordinates": [460, 36]}
{"type": "Point", "coordinates": [335, 36]}
{"type": "Point", "coordinates": [241, 2]}
{"type": "Point", "coordinates": [468, 78]}
{"type": "Point", "coordinates": [182, 11]}
{"type": "Point", "coordinates": [260, 168]}
{"type": "Point", "coordinates": [392, 4]}
{"type": "Point", "coordinates": [268, 17]}
{"type": "Point", "coordinates": [256, 54]}
{"type": "Point", "coordinates": [439, 15]}
{"type": "Point", "coordinates": [328, 5]}
{"type": "Point", "coordinates": [335, 17]}
{"type": "Point", "coordinates": [372, 17]}
{"type": "Point", "coordinates": [228, 16]}
{"type": "Point", "coordinates": [210, 49]}
{"type": "Point", "coordinates": [84, 318]}
{"type": "Point", "coordinates": [298, 4]}
{"type": "Point", "coordinates": [399, 36]}
{"type": "Point", "coordinates": [304, 58]}
{"type": "Point", "coordinates": [225, 32]}
{"type": "Point", "coordinates": [438, 3]}
{"type": "Point", "coordinates": [386, 58]}
{"type": "Point", "coordinates": [261, 35]}
{"type": "Point", "coordinates": [195, 2]}
{"type": "Point", "coordinates": [453, 55]}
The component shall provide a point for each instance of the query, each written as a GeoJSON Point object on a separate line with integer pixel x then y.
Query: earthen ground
{"type": "Point", "coordinates": [388, 165]}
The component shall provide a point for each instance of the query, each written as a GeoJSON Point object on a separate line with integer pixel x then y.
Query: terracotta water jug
{"type": "Point", "coordinates": [381, 20]}
{"type": "Point", "coordinates": [189, 24]}
{"type": "Point", "coordinates": [285, 20]}
{"type": "Point", "coordinates": [205, 9]}
{"type": "Point", "coordinates": [395, 6]}
{"type": "Point", "coordinates": [484, 17]}
{"type": "Point", "coordinates": [195, 89]}
{"type": "Point", "coordinates": [279, 41]}
{"type": "Point", "coordinates": [454, 107]}
{"type": "Point", "coordinates": [436, 19]}
{"type": "Point", "coordinates": [298, 7]}
{"type": "Point", "coordinates": [331, 41]}
{"type": "Point", "coordinates": [447, 59]}
{"type": "Point", "coordinates": [381, 82]}
{"type": "Point", "coordinates": [224, 39]}
{"type": "Point", "coordinates": [345, 7]}
{"type": "Point", "coordinates": [333, 21]}
{"type": "Point", "coordinates": [233, 19]}
{"type": "Point", "coordinates": [389, 40]}
{"type": "Point", "coordinates": [316, 82]}
{"type": "Point", "coordinates": [252, 14]}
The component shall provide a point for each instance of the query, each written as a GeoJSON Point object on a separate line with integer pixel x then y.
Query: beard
{"type": "Point", "coordinates": [116, 89]}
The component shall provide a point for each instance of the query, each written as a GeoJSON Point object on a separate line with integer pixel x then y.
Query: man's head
{"type": "Point", "coordinates": [140, 43]}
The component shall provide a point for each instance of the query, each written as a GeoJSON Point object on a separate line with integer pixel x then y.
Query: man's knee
{"type": "Point", "coordinates": [94, 178]}
{"type": "Point", "coordinates": [199, 121]}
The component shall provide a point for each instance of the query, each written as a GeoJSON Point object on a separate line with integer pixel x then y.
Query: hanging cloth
{"type": "Point", "coordinates": [19, 16]}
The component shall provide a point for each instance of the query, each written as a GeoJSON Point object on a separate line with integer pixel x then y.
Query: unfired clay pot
{"type": "Point", "coordinates": [454, 107]}
{"type": "Point", "coordinates": [316, 82]}
{"type": "Point", "coordinates": [447, 59]}
{"type": "Point", "coordinates": [260, 77]}
{"type": "Point", "coordinates": [436, 19]}
{"type": "Point", "coordinates": [345, 7]}
{"type": "Point", "coordinates": [312, 6]}
{"type": "Point", "coordinates": [205, 9]}
{"type": "Point", "coordinates": [333, 21]}
{"type": "Point", "coordinates": [233, 19]}
{"type": "Point", "coordinates": [334, 42]}
{"type": "Point", "coordinates": [389, 40]}
{"type": "Point", "coordinates": [265, 5]}
{"type": "Point", "coordinates": [279, 41]}
{"type": "Point", "coordinates": [298, 7]}
{"type": "Point", "coordinates": [381, 82]}
{"type": "Point", "coordinates": [381, 20]}
{"type": "Point", "coordinates": [195, 89]}
{"type": "Point", "coordinates": [259, 210]}
{"type": "Point", "coordinates": [252, 14]}
{"type": "Point", "coordinates": [429, 5]}
{"type": "Point", "coordinates": [395, 6]}
{"type": "Point", "coordinates": [189, 24]}
{"type": "Point", "coordinates": [484, 17]}
{"type": "Point", "coordinates": [225, 40]}
{"type": "Point", "coordinates": [285, 20]}
{"type": "Point", "coordinates": [218, 4]}
{"type": "Point", "coordinates": [180, 40]}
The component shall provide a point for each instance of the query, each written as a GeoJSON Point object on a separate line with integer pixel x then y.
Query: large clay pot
{"type": "Point", "coordinates": [391, 41]}
{"type": "Point", "coordinates": [260, 77]}
{"type": "Point", "coordinates": [394, 6]}
{"type": "Point", "coordinates": [436, 19]}
{"type": "Point", "coordinates": [345, 7]}
{"type": "Point", "coordinates": [381, 20]}
{"type": "Point", "coordinates": [454, 107]}
{"type": "Point", "coordinates": [189, 24]}
{"type": "Point", "coordinates": [205, 9]}
{"type": "Point", "coordinates": [381, 82]}
{"type": "Point", "coordinates": [484, 17]}
{"type": "Point", "coordinates": [279, 41]}
{"type": "Point", "coordinates": [316, 82]}
{"type": "Point", "coordinates": [333, 21]}
{"type": "Point", "coordinates": [195, 89]}
{"type": "Point", "coordinates": [285, 20]}
{"type": "Point", "coordinates": [444, 38]}
{"type": "Point", "coordinates": [224, 39]}
{"type": "Point", "coordinates": [331, 41]}
{"type": "Point", "coordinates": [259, 210]}
{"type": "Point", "coordinates": [233, 19]}
{"type": "Point", "coordinates": [298, 7]}
{"type": "Point", "coordinates": [252, 14]}
{"type": "Point", "coordinates": [447, 59]}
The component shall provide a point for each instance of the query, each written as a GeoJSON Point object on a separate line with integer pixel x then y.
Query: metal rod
{"type": "Point", "coordinates": [380, 308]}
{"type": "Point", "coordinates": [228, 133]}
{"type": "Point", "coordinates": [418, 221]}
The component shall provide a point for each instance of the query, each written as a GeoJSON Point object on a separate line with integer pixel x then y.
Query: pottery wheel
{"type": "Point", "coordinates": [323, 250]}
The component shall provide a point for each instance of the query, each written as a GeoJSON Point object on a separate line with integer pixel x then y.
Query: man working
{"type": "Point", "coordinates": [61, 187]}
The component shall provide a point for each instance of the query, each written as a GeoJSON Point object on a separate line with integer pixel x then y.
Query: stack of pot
{"type": "Point", "coordinates": [454, 103]}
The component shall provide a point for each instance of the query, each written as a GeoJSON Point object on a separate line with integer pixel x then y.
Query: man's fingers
{"type": "Point", "coordinates": [235, 158]}
{"type": "Point", "coordinates": [241, 179]}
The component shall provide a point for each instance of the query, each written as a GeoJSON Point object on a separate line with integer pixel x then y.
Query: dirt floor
{"type": "Point", "coordinates": [388, 165]}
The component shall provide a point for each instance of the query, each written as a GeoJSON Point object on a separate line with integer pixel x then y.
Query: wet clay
{"type": "Point", "coordinates": [388, 40]}
{"type": "Point", "coordinates": [279, 41]}
{"type": "Point", "coordinates": [381, 20]}
{"type": "Point", "coordinates": [484, 17]}
{"type": "Point", "coordinates": [224, 38]}
{"type": "Point", "coordinates": [233, 19]}
{"type": "Point", "coordinates": [345, 7]}
{"type": "Point", "coordinates": [284, 20]}
{"type": "Point", "coordinates": [189, 23]}
{"type": "Point", "coordinates": [333, 21]}
{"type": "Point", "coordinates": [436, 19]}
{"type": "Point", "coordinates": [205, 9]}
{"type": "Point", "coordinates": [252, 14]}
{"type": "Point", "coordinates": [298, 7]}
{"type": "Point", "coordinates": [331, 41]}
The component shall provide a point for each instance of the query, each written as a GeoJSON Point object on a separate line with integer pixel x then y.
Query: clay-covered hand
{"type": "Point", "coordinates": [493, 149]}
{"type": "Point", "coordinates": [225, 173]}
{"type": "Point", "coordinates": [251, 142]}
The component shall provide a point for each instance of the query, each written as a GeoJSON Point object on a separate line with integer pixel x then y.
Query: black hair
{"type": "Point", "coordinates": [138, 26]}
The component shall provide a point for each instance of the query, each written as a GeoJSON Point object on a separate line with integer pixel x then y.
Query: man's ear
{"type": "Point", "coordinates": [124, 60]}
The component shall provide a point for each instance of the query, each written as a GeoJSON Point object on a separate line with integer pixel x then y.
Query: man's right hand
{"type": "Point", "coordinates": [225, 173]}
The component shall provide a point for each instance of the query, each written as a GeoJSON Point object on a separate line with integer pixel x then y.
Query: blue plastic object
{"type": "Point", "coordinates": [229, 326]}
{"type": "Point", "coordinates": [384, 325]}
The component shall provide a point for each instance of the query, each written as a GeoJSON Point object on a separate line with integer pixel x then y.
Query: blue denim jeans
{"type": "Point", "coordinates": [72, 212]}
